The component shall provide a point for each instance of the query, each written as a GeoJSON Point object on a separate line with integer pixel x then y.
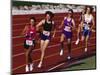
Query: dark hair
{"type": "Point", "coordinates": [50, 13]}
{"type": "Point", "coordinates": [33, 19]}
{"type": "Point", "coordinates": [71, 12]}
{"type": "Point", "coordinates": [82, 11]}
{"type": "Point", "coordinates": [91, 9]}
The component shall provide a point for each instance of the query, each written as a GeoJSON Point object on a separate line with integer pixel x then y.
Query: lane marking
{"type": "Point", "coordinates": [37, 34]}
{"type": "Point", "coordinates": [53, 38]}
{"type": "Point", "coordinates": [49, 57]}
{"type": "Point", "coordinates": [56, 66]}
{"type": "Point", "coordinates": [39, 48]}
{"type": "Point", "coordinates": [77, 61]}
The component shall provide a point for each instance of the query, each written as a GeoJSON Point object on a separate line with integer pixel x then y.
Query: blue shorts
{"type": "Point", "coordinates": [44, 37]}
{"type": "Point", "coordinates": [67, 34]}
{"type": "Point", "coordinates": [86, 32]}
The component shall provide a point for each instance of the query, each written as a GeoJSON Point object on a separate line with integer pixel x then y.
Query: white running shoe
{"type": "Point", "coordinates": [26, 68]}
{"type": "Point", "coordinates": [31, 67]}
{"type": "Point", "coordinates": [85, 49]}
{"type": "Point", "coordinates": [69, 57]}
{"type": "Point", "coordinates": [77, 41]}
{"type": "Point", "coordinates": [40, 64]}
{"type": "Point", "coordinates": [61, 52]}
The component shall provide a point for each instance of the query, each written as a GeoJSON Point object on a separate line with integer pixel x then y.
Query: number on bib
{"type": "Point", "coordinates": [86, 27]}
{"type": "Point", "coordinates": [46, 33]}
{"type": "Point", "coordinates": [67, 28]}
{"type": "Point", "coordinates": [29, 42]}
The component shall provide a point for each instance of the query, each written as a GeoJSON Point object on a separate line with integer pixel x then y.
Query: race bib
{"type": "Point", "coordinates": [67, 28]}
{"type": "Point", "coordinates": [46, 33]}
{"type": "Point", "coordinates": [86, 27]}
{"type": "Point", "coordinates": [31, 32]}
{"type": "Point", "coordinates": [29, 42]}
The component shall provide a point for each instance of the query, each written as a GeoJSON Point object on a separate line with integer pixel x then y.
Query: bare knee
{"type": "Point", "coordinates": [62, 38]}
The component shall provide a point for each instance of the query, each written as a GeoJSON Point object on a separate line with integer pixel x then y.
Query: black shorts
{"type": "Point", "coordinates": [27, 46]}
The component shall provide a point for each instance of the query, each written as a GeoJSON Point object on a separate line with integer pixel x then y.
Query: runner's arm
{"type": "Point", "coordinates": [39, 24]}
{"type": "Point", "coordinates": [73, 22]}
{"type": "Point", "coordinates": [54, 32]}
{"type": "Point", "coordinates": [92, 23]}
{"type": "Point", "coordinates": [23, 32]}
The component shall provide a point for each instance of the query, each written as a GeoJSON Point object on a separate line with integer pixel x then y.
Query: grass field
{"type": "Point", "coordinates": [85, 64]}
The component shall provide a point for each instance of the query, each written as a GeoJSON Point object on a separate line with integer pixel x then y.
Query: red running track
{"type": "Point", "coordinates": [52, 59]}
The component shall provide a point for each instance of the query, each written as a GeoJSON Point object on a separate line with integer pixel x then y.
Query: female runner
{"type": "Point", "coordinates": [69, 24]}
{"type": "Point", "coordinates": [88, 24]}
{"type": "Point", "coordinates": [80, 26]}
{"type": "Point", "coordinates": [47, 25]}
{"type": "Point", "coordinates": [29, 43]}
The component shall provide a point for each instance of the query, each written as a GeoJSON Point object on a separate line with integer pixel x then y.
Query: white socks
{"type": "Point", "coordinates": [61, 52]}
{"type": "Point", "coordinates": [40, 64]}
{"type": "Point", "coordinates": [77, 41]}
{"type": "Point", "coordinates": [85, 50]}
{"type": "Point", "coordinates": [69, 57]}
{"type": "Point", "coordinates": [29, 67]}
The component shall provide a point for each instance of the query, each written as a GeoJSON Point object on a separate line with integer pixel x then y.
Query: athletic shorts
{"type": "Point", "coordinates": [67, 34]}
{"type": "Point", "coordinates": [86, 32]}
{"type": "Point", "coordinates": [26, 45]}
{"type": "Point", "coordinates": [44, 37]}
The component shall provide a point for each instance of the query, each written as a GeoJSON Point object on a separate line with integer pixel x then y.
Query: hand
{"type": "Point", "coordinates": [93, 30]}
{"type": "Point", "coordinates": [53, 35]}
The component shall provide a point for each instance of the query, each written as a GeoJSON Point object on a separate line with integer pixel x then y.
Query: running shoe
{"type": "Point", "coordinates": [40, 64]}
{"type": "Point", "coordinates": [85, 50]}
{"type": "Point", "coordinates": [26, 68]}
{"type": "Point", "coordinates": [61, 52]}
{"type": "Point", "coordinates": [77, 41]}
{"type": "Point", "coordinates": [31, 67]}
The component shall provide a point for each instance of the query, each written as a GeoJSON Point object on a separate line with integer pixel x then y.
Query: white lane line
{"type": "Point", "coordinates": [39, 49]}
{"type": "Point", "coordinates": [37, 34]}
{"type": "Point", "coordinates": [56, 66]}
{"type": "Point", "coordinates": [35, 50]}
{"type": "Point", "coordinates": [39, 59]}
{"type": "Point", "coordinates": [76, 62]}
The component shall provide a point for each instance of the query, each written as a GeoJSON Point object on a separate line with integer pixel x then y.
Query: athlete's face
{"type": "Point", "coordinates": [69, 13]}
{"type": "Point", "coordinates": [48, 17]}
{"type": "Point", "coordinates": [88, 10]}
{"type": "Point", "coordinates": [83, 11]}
{"type": "Point", "coordinates": [32, 21]}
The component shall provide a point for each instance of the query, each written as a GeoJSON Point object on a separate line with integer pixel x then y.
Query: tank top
{"type": "Point", "coordinates": [47, 26]}
{"type": "Point", "coordinates": [30, 33]}
{"type": "Point", "coordinates": [67, 25]}
{"type": "Point", "coordinates": [87, 21]}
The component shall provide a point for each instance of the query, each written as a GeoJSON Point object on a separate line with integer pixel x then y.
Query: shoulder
{"type": "Point", "coordinates": [42, 21]}
{"type": "Point", "coordinates": [91, 16]}
{"type": "Point", "coordinates": [72, 19]}
{"type": "Point", "coordinates": [52, 22]}
{"type": "Point", "coordinates": [65, 18]}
